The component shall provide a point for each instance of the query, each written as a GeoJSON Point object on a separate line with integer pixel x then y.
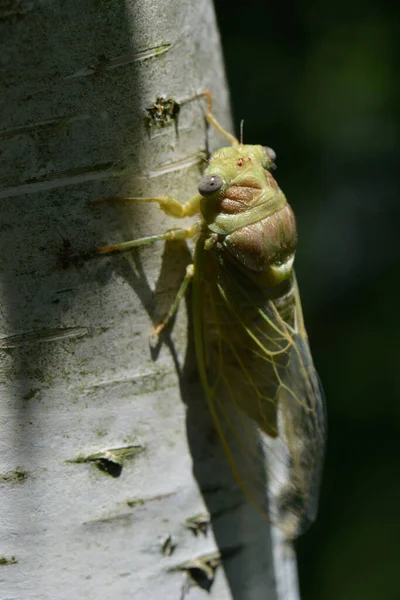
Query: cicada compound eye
{"type": "Point", "coordinates": [271, 157]}
{"type": "Point", "coordinates": [270, 153]}
{"type": "Point", "coordinates": [210, 184]}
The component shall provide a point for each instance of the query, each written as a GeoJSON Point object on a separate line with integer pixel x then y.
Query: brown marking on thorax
{"type": "Point", "coordinates": [237, 198]}
{"type": "Point", "coordinates": [239, 192]}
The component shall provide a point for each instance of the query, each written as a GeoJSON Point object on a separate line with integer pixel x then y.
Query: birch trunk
{"type": "Point", "coordinates": [110, 466]}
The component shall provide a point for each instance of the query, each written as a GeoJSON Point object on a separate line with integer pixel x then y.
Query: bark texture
{"type": "Point", "coordinates": [110, 466]}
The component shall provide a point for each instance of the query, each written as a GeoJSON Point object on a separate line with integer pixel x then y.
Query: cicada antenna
{"type": "Point", "coordinates": [241, 131]}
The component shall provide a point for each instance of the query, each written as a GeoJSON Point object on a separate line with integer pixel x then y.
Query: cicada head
{"type": "Point", "coordinates": [231, 161]}
{"type": "Point", "coordinates": [236, 180]}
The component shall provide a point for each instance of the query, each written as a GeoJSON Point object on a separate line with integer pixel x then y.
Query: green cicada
{"type": "Point", "coordinates": [252, 348]}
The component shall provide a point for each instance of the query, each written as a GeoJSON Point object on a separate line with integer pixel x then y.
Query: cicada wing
{"type": "Point", "coordinates": [262, 389]}
{"type": "Point", "coordinates": [302, 434]}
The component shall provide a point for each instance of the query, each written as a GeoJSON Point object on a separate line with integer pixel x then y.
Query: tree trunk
{"type": "Point", "coordinates": [110, 466]}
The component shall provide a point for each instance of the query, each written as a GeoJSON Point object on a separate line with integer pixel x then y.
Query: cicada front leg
{"type": "Point", "coordinates": [211, 119]}
{"type": "Point", "coordinates": [168, 204]}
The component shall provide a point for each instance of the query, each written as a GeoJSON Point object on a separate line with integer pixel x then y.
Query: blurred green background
{"type": "Point", "coordinates": [319, 83]}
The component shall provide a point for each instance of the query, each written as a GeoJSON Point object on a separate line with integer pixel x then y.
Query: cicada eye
{"type": "Point", "coordinates": [270, 153]}
{"type": "Point", "coordinates": [210, 184]}
{"type": "Point", "coordinates": [271, 156]}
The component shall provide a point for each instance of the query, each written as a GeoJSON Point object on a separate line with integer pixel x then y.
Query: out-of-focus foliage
{"type": "Point", "coordinates": [319, 83]}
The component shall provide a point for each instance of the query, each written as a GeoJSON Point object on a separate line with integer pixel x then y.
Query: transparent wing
{"type": "Point", "coordinates": [262, 388]}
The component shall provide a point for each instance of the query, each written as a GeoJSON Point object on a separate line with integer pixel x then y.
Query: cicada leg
{"type": "Point", "coordinates": [169, 205]}
{"type": "Point", "coordinates": [173, 208]}
{"type": "Point", "coordinates": [170, 235]}
{"type": "Point", "coordinates": [212, 120]}
{"type": "Point", "coordinates": [178, 298]}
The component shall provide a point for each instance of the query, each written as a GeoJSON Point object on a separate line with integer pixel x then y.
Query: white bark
{"type": "Point", "coordinates": [81, 386]}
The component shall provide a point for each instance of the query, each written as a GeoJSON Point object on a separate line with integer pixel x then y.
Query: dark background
{"type": "Point", "coordinates": [319, 83]}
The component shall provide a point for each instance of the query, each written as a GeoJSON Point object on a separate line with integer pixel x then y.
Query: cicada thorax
{"type": "Point", "coordinates": [265, 251]}
{"type": "Point", "coordinates": [250, 218]}
{"type": "Point", "coordinates": [250, 241]}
